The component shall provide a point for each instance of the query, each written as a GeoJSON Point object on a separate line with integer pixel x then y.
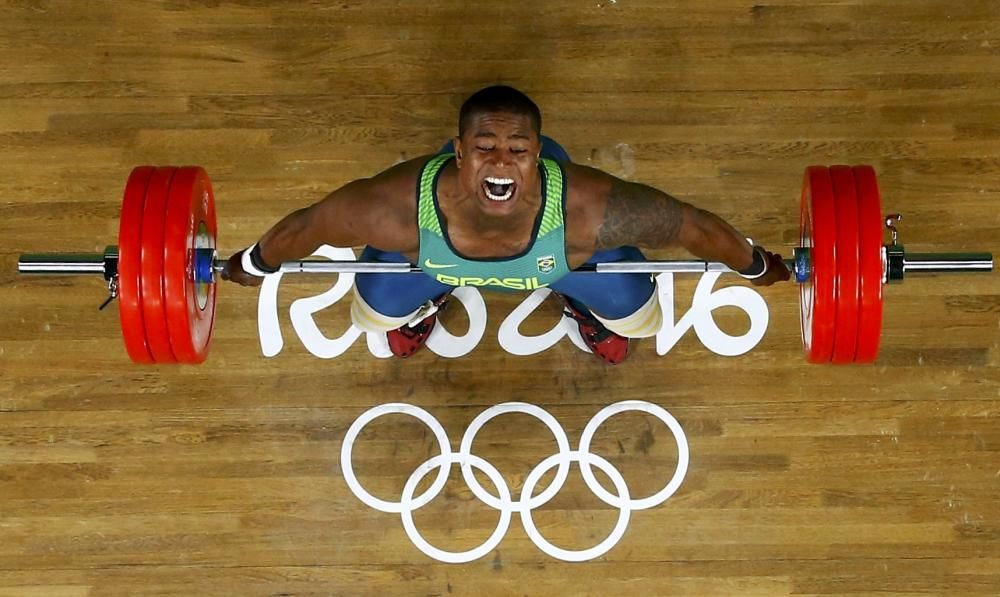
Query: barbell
{"type": "Point", "coordinates": [164, 268]}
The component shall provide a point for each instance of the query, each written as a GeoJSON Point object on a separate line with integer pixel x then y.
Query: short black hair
{"type": "Point", "coordinates": [499, 98]}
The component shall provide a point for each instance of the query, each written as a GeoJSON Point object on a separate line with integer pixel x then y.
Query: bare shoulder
{"type": "Point", "coordinates": [399, 176]}
{"type": "Point", "coordinates": [612, 212]}
{"type": "Point", "coordinates": [586, 197]}
{"type": "Point", "coordinates": [394, 188]}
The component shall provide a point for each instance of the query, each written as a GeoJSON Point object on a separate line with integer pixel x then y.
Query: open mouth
{"type": "Point", "coordinates": [498, 189]}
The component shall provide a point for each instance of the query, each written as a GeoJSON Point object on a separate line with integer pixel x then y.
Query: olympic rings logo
{"type": "Point", "coordinates": [503, 501]}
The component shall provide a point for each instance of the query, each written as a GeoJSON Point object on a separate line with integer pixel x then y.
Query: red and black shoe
{"type": "Point", "coordinates": [407, 340]}
{"type": "Point", "coordinates": [605, 344]}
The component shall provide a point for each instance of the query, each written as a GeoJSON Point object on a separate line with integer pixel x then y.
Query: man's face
{"type": "Point", "coordinates": [497, 159]}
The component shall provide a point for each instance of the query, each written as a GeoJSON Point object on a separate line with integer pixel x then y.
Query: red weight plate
{"type": "Point", "coordinates": [190, 225]}
{"type": "Point", "coordinates": [817, 297]}
{"type": "Point", "coordinates": [129, 270]}
{"type": "Point", "coordinates": [845, 338]}
{"type": "Point", "coordinates": [870, 228]}
{"type": "Point", "coordinates": [153, 309]}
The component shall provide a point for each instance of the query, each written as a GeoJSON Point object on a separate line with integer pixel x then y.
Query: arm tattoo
{"type": "Point", "coordinates": [639, 215]}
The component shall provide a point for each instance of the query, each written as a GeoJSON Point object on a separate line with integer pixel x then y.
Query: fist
{"type": "Point", "coordinates": [776, 270]}
{"type": "Point", "coordinates": [233, 271]}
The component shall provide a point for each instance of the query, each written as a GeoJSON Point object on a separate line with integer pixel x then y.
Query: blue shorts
{"type": "Point", "coordinates": [611, 296]}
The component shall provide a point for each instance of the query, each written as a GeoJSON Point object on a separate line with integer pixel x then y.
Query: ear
{"type": "Point", "coordinates": [457, 143]}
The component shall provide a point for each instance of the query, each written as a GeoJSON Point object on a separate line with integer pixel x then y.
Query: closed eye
{"type": "Point", "coordinates": [484, 148]}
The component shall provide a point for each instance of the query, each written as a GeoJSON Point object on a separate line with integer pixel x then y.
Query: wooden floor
{"type": "Point", "coordinates": [225, 479]}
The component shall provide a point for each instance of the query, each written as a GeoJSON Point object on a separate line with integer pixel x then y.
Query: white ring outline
{"type": "Point", "coordinates": [683, 456]}
{"type": "Point", "coordinates": [617, 532]}
{"type": "Point", "coordinates": [523, 408]}
{"type": "Point", "coordinates": [391, 409]}
{"type": "Point", "coordinates": [455, 557]}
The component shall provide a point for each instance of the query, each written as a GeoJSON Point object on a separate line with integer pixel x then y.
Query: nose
{"type": "Point", "coordinates": [501, 159]}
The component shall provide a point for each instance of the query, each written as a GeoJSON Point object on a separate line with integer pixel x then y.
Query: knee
{"type": "Point", "coordinates": [643, 322]}
{"type": "Point", "coordinates": [377, 318]}
{"type": "Point", "coordinates": [382, 294]}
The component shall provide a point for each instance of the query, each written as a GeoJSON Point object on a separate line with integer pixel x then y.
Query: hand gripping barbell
{"type": "Point", "coordinates": [163, 270]}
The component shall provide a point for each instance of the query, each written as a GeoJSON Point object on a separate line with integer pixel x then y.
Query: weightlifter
{"type": "Point", "coordinates": [502, 207]}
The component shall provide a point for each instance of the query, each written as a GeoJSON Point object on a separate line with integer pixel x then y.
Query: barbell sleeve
{"type": "Point", "coordinates": [61, 264]}
{"type": "Point", "coordinates": [941, 263]}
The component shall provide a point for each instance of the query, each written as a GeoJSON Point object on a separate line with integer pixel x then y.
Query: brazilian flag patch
{"type": "Point", "coordinates": [546, 264]}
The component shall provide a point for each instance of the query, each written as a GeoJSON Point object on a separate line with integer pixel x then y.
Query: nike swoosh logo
{"type": "Point", "coordinates": [430, 265]}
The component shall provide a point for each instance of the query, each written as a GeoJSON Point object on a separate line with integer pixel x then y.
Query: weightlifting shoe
{"type": "Point", "coordinates": [605, 344]}
{"type": "Point", "coordinates": [407, 340]}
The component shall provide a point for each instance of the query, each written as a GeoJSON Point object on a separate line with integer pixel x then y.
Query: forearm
{"type": "Point", "coordinates": [709, 237]}
{"type": "Point", "coordinates": [294, 237]}
{"type": "Point", "coordinates": [341, 219]}
{"type": "Point", "coordinates": [359, 213]}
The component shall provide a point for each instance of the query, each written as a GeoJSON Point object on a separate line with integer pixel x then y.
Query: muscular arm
{"type": "Point", "coordinates": [636, 214]}
{"type": "Point", "coordinates": [380, 211]}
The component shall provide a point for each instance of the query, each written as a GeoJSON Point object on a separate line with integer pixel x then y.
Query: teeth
{"type": "Point", "coordinates": [500, 182]}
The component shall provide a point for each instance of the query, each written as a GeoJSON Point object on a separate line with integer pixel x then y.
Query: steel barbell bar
{"type": "Point", "coordinates": [165, 264]}
{"type": "Point", "coordinates": [70, 264]}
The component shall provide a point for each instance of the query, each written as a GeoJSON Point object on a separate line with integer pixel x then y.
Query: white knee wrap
{"type": "Point", "coordinates": [366, 318]}
{"type": "Point", "coordinates": [645, 322]}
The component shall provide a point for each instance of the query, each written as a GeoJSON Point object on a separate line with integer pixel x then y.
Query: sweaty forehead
{"type": "Point", "coordinates": [501, 125]}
